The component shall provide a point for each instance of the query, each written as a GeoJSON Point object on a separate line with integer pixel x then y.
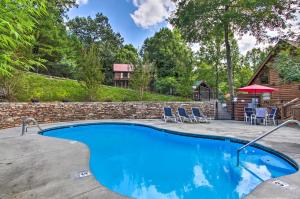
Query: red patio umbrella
{"type": "Point", "coordinates": [257, 89]}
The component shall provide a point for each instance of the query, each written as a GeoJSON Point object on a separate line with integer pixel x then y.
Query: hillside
{"type": "Point", "coordinates": [44, 88]}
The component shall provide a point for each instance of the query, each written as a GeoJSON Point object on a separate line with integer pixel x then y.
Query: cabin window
{"type": "Point", "coordinates": [125, 75]}
{"type": "Point", "coordinates": [264, 77]}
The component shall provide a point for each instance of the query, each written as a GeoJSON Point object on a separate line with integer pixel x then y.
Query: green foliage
{"type": "Point", "coordinates": [127, 55]}
{"type": "Point", "coordinates": [199, 20]}
{"type": "Point", "coordinates": [254, 57]}
{"type": "Point", "coordinates": [17, 22]}
{"type": "Point", "coordinates": [90, 70]}
{"type": "Point", "coordinates": [287, 64]}
{"type": "Point", "coordinates": [98, 31]}
{"type": "Point", "coordinates": [172, 59]}
{"type": "Point", "coordinates": [43, 88]}
{"type": "Point", "coordinates": [140, 78]}
{"type": "Point", "coordinates": [166, 85]}
{"type": "Point", "coordinates": [53, 44]}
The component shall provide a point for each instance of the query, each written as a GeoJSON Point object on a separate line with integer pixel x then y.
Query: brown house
{"type": "Point", "coordinates": [288, 96]}
{"type": "Point", "coordinates": [122, 74]}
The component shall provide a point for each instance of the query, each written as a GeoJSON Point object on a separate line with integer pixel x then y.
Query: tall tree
{"type": "Point", "coordinates": [127, 55]}
{"type": "Point", "coordinates": [90, 70]}
{"type": "Point", "coordinates": [254, 57]}
{"type": "Point", "coordinates": [199, 19]}
{"type": "Point", "coordinates": [100, 32]}
{"type": "Point", "coordinates": [171, 58]}
{"type": "Point", "coordinates": [52, 42]}
{"type": "Point", "coordinates": [210, 57]}
{"type": "Point", "coordinates": [140, 79]}
{"type": "Point", "coordinates": [17, 22]}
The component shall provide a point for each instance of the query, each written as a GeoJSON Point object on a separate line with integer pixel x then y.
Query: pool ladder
{"type": "Point", "coordinates": [25, 123]}
{"type": "Point", "coordinates": [262, 136]}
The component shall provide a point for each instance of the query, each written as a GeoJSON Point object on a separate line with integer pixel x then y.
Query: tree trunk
{"type": "Point", "coordinates": [229, 63]}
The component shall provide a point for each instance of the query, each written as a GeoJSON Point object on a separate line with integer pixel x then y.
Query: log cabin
{"type": "Point", "coordinates": [287, 99]}
{"type": "Point", "coordinates": [122, 74]}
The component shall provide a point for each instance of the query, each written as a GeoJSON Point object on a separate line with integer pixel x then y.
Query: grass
{"type": "Point", "coordinates": [45, 89]}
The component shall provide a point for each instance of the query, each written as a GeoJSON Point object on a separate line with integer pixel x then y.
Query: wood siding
{"type": "Point", "coordinates": [287, 91]}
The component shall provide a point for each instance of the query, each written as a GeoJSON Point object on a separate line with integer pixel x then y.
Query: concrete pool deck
{"type": "Point", "coordinates": [34, 166]}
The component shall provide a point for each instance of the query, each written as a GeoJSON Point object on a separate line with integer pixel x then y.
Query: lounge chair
{"type": "Point", "coordinates": [260, 114]}
{"type": "Point", "coordinates": [198, 115]}
{"type": "Point", "coordinates": [248, 112]}
{"type": "Point", "coordinates": [168, 115]}
{"type": "Point", "coordinates": [273, 115]}
{"type": "Point", "coordinates": [183, 116]}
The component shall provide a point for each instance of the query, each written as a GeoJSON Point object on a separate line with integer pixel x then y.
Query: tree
{"type": "Point", "coordinates": [127, 55]}
{"type": "Point", "coordinates": [287, 64]}
{"type": "Point", "coordinates": [98, 31]}
{"type": "Point", "coordinates": [210, 57]}
{"type": "Point", "coordinates": [254, 57]}
{"type": "Point", "coordinates": [140, 78]}
{"type": "Point", "coordinates": [90, 70]}
{"type": "Point", "coordinates": [52, 42]}
{"type": "Point", "coordinates": [200, 19]}
{"type": "Point", "coordinates": [17, 22]}
{"type": "Point", "coordinates": [171, 58]}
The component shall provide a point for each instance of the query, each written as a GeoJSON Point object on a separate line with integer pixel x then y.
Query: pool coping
{"type": "Point", "coordinates": [261, 191]}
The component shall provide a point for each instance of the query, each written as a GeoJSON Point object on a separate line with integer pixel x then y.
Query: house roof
{"type": "Point", "coordinates": [270, 55]}
{"type": "Point", "coordinates": [123, 68]}
{"type": "Point", "coordinates": [199, 83]}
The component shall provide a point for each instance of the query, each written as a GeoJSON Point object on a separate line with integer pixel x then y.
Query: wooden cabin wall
{"type": "Point", "coordinates": [287, 91]}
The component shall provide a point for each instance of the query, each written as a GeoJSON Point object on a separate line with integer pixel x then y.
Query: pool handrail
{"type": "Point", "coordinates": [25, 122]}
{"type": "Point", "coordinates": [262, 136]}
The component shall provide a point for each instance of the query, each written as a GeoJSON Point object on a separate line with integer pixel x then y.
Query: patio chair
{"type": "Point", "coordinates": [248, 112]}
{"type": "Point", "coordinates": [198, 115]}
{"type": "Point", "coordinates": [168, 115]}
{"type": "Point", "coordinates": [260, 114]}
{"type": "Point", "coordinates": [273, 116]}
{"type": "Point", "coordinates": [183, 116]}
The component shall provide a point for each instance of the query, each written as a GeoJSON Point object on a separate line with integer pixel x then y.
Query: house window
{"type": "Point", "coordinates": [125, 75]}
{"type": "Point", "coordinates": [264, 77]}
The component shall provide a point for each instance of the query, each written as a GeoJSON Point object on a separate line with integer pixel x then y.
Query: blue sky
{"type": "Point", "coordinates": [134, 27]}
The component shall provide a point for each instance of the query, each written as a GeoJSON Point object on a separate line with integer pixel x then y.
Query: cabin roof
{"type": "Point", "coordinates": [200, 83]}
{"type": "Point", "coordinates": [270, 55]}
{"type": "Point", "coordinates": [122, 68]}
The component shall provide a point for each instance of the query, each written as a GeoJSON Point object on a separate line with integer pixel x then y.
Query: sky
{"type": "Point", "coordinates": [136, 20]}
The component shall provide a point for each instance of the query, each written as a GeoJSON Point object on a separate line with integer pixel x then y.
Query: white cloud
{"type": "Point", "coordinates": [248, 42]}
{"type": "Point", "coordinates": [80, 2]}
{"type": "Point", "coordinates": [151, 12]}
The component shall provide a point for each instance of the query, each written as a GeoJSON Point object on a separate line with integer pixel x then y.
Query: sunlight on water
{"type": "Point", "coordinates": [142, 162]}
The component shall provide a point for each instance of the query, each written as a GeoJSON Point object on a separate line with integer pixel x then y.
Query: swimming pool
{"type": "Point", "coordinates": [144, 162]}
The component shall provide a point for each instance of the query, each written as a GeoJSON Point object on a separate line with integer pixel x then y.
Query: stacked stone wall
{"type": "Point", "coordinates": [11, 114]}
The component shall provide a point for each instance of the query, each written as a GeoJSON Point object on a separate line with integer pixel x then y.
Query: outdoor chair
{"type": "Point", "coordinates": [168, 115]}
{"type": "Point", "coordinates": [260, 114]}
{"type": "Point", "coordinates": [248, 112]}
{"type": "Point", "coordinates": [198, 115]}
{"type": "Point", "coordinates": [183, 116]}
{"type": "Point", "coordinates": [273, 115]}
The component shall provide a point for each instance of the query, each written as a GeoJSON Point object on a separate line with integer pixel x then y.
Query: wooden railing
{"type": "Point", "coordinates": [287, 109]}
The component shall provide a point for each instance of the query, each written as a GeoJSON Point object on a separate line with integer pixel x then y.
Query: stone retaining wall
{"type": "Point", "coordinates": [11, 113]}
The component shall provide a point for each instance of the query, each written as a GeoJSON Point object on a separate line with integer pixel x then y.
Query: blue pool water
{"type": "Point", "coordinates": [142, 162]}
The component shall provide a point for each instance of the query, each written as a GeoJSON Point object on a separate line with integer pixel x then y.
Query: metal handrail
{"type": "Point", "coordinates": [25, 122]}
{"type": "Point", "coordinates": [262, 136]}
